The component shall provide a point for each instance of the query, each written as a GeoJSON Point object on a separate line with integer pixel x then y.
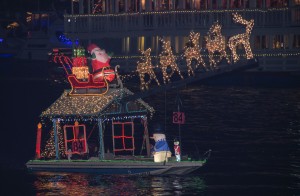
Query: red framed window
{"type": "Point", "coordinates": [75, 139]}
{"type": "Point", "coordinates": [123, 136]}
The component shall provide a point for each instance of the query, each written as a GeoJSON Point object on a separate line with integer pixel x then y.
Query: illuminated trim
{"type": "Point", "coordinates": [179, 11]}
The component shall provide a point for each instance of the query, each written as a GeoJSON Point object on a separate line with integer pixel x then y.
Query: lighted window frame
{"type": "Point", "coordinates": [124, 138]}
{"type": "Point", "coordinates": [74, 139]}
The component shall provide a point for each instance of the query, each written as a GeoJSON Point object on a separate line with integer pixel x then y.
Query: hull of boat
{"type": "Point", "coordinates": [116, 167]}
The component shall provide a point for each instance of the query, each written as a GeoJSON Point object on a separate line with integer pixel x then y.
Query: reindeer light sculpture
{"type": "Point", "coordinates": [193, 52]}
{"type": "Point", "coordinates": [243, 38]}
{"type": "Point", "coordinates": [144, 68]}
{"type": "Point", "coordinates": [215, 42]}
{"type": "Point", "coordinates": [168, 59]}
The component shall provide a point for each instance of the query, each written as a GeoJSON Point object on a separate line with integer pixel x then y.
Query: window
{"type": "Point", "coordinates": [133, 5]}
{"type": "Point", "coordinates": [276, 3]}
{"type": "Point", "coordinates": [204, 4]}
{"type": "Point", "coordinates": [123, 137]}
{"type": "Point", "coordinates": [246, 3]}
{"type": "Point", "coordinates": [75, 139]}
{"type": "Point", "coordinates": [257, 42]}
{"type": "Point", "coordinates": [296, 41]}
{"type": "Point", "coordinates": [264, 42]}
{"type": "Point", "coordinates": [278, 42]}
{"type": "Point", "coordinates": [155, 43]}
{"type": "Point", "coordinates": [141, 43]}
{"type": "Point", "coordinates": [143, 5]}
{"type": "Point", "coordinates": [259, 3]}
{"type": "Point", "coordinates": [163, 5]}
{"type": "Point", "coordinates": [99, 7]}
{"type": "Point", "coordinates": [224, 4]}
{"type": "Point", "coordinates": [121, 5]}
{"type": "Point", "coordinates": [236, 3]}
{"type": "Point", "coordinates": [177, 44]}
{"type": "Point", "coordinates": [286, 41]}
{"type": "Point", "coordinates": [126, 45]}
{"type": "Point", "coordinates": [296, 15]}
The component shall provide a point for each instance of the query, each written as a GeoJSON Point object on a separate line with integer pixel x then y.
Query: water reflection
{"type": "Point", "coordinates": [88, 184]}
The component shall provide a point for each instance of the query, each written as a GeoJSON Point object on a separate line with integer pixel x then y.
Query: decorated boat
{"type": "Point", "coordinates": [99, 110]}
{"type": "Point", "coordinates": [93, 113]}
{"type": "Point", "coordinates": [81, 125]}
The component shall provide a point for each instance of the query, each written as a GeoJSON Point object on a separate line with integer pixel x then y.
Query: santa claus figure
{"type": "Point", "coordinates": [100, 64]}
{"type": "Point", "coordinates": [177, 150]}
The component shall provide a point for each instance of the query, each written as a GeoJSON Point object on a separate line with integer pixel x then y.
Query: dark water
{"type": "Point", "coordinates": [251, 122]}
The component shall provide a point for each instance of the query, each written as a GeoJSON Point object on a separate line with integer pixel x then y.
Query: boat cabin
{"type": "Point", "coordinates": [86, 127]}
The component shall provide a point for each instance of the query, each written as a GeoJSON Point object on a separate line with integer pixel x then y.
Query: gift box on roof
{"type": "Point", "coordinates": [81, 72]}
{"type": "Point", "coordinates": [78, 52]}
{"type": "Point", "coordinates": [79, 61]}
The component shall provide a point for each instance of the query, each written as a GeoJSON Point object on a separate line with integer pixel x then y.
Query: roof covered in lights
{"type": "Point", "coordinates": [96, 106]}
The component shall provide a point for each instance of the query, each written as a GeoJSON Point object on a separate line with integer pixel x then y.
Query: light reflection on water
{"type": "Point", "coordinates": [89, 184]}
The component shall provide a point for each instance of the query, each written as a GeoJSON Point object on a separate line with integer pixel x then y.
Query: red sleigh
{"type": "Point", "coordinates": [88, 86]}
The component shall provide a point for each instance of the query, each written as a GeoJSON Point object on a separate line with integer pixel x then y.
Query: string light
{"type": "Point", "coordinates": [88, 107]}
{"type": "Point", "coordinates": [243, 38]}
{"type": "Point", "coordinates": [204, 55]}
{"type": "Point", "coordinates": [145, 67]}
{"type": "Point", "coordinates": [192, 51]}
{"type": "Point", "coordinates": [80, 68]}
{"type": "Point", "coordinates": [167, 59]}
{"type": "Point", "coordinates": [49, 151]}
{"type": "Point", "coordinates": [181, 11]}
{"type": "Point", "coordinates": [215, 42]}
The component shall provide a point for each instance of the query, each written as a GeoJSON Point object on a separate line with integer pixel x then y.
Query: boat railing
{"type": "Point", "coordinates": [176, 20]}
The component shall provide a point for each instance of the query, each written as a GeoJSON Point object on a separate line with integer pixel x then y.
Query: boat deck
{"type": "Point", "coordinates": [139, 166]}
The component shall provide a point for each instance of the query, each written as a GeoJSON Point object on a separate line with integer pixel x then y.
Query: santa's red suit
{"type": "Point", "coordinates": [100, 60]}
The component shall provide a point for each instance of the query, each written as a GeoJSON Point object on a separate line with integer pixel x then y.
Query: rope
{"type": "Point", "coordinates": [91, 132]}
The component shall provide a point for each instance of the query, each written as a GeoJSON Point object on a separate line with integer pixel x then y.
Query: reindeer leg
{"type": "Point", "coordinates": [225, 56]}
{"type": "Point", "coordinates": [179, 72]}
{"type": "Point", "coordinates": [142, 81]}
{"type": "Point", "coordinates": [153, 76]}
{"type": "Point", "coordinates": [248, 50]}
{"type": "Point", "coordinates": [165, 75]}
{"type": "Point", "coordinates": [234, 54]}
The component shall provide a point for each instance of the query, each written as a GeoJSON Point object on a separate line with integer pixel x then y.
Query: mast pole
{"type": "Point", "coordinates": [101, 144]}
{"type": "Point", "coordinates": [55, 139]}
